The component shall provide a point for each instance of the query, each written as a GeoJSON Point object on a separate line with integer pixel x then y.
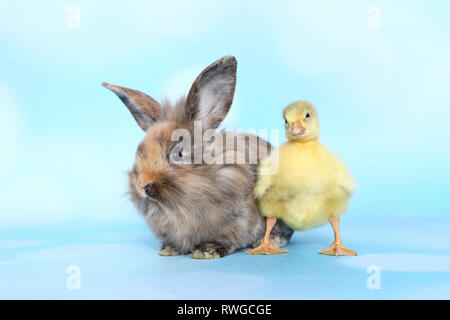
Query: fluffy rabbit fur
{"type": "Point", "coordinates": [207, 210]}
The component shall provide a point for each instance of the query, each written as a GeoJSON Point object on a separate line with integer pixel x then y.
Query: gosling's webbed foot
{"type": "Point", "coordinates": [275, 239]}
{"type": "Point", "coordinates": [267, 249]}
{"type": "Point", "coordinates": [338, 249]}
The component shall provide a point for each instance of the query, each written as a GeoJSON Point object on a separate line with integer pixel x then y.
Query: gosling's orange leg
{"type": "Point", "coordinates": [266, 246]}
{"type": "Point", "coordinates": [337, 248]}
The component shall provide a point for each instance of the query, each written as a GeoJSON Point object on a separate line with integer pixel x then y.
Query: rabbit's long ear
{"type": "Point", "coordinates": [211, 94]}
{"type": "Point", "coordinates": [143, 108]}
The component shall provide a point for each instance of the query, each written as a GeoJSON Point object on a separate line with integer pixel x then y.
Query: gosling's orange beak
{"type": "Point", "coordinates": [297, 128]}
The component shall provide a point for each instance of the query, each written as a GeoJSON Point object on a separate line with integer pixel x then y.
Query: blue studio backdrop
{"type": "Point", "coordinates": [378, 71]}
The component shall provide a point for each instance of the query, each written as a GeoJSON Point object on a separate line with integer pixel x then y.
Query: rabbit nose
{"type": "Point", "coordinates": [150, 190]}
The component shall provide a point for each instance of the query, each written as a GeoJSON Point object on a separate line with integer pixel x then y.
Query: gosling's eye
{"type": "Point", "coordinates": [285, 121]}
{"type": "Point", "coordinates": [307, 115]}
{"type": "Point", "coordinates": [180, 154]}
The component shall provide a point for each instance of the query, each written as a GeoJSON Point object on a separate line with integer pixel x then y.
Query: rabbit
{"type": "Point", "coordinates": [205, 210]}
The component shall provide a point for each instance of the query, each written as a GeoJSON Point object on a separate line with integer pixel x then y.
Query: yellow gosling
{"type": "Point", "coordinates": [312, 186]}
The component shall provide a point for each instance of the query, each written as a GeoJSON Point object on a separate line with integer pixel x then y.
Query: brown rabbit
{"type": "Point", "coordinates": [207, 210]}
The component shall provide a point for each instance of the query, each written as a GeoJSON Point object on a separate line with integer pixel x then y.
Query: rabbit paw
{"type": "Point", "coordinates": [209, 251]}
{"type": "Point", "coordinates": [167, 250]}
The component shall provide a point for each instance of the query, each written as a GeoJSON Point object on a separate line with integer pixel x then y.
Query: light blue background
{"type": "Point", "coordinates": [65, 142]}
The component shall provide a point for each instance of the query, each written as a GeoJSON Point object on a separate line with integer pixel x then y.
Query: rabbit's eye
{"type": "Point", "coordinates": [178, 154]}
